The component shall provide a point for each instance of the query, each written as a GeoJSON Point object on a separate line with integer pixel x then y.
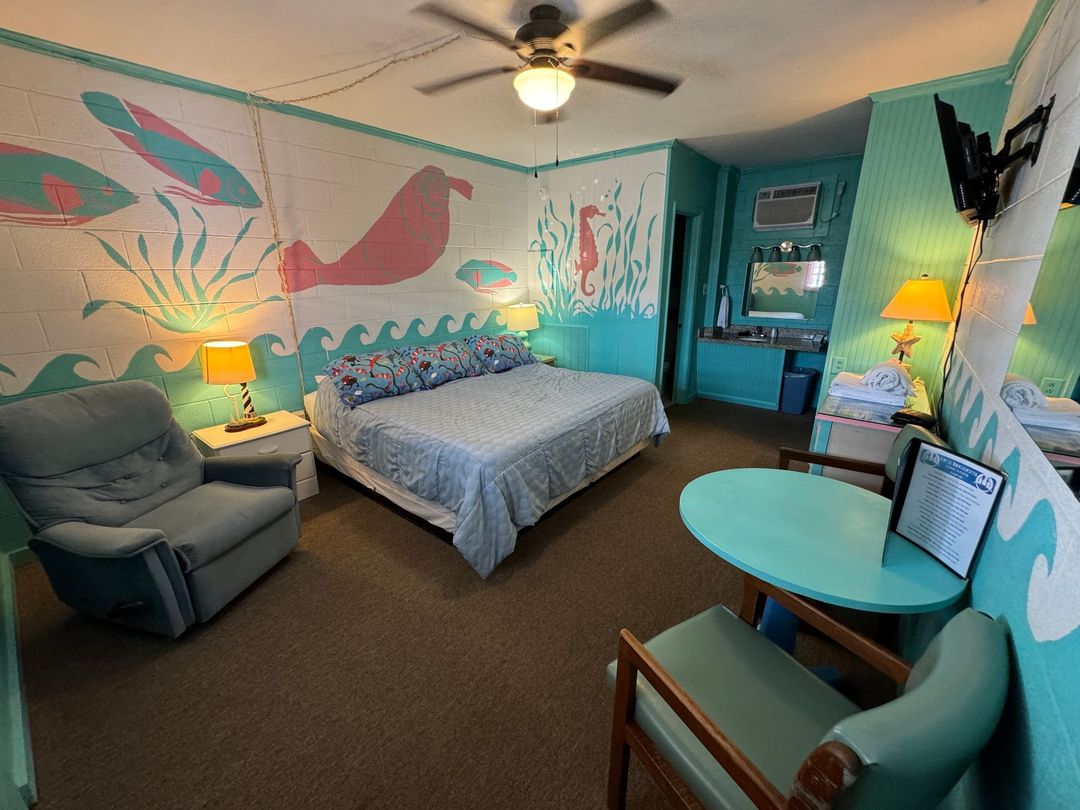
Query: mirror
{"type": "Point", "coordinates": [785, 286]}
{"type": "Point", "coordinates": [1043, 384]}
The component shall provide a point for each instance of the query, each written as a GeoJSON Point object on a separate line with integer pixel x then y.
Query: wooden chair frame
{"type": "Point", "coordinates": [826, 772]}
{"type": "Point", "coordinates": [790, 454]}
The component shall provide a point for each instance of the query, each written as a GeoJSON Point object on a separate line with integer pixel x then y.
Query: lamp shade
{"type": "Point", "coordinates": [544, 88]}
{"type": "Point", "coordinates": [226, 362]}
{"type": "Point", "coordinates": [1029, 316]}
{"type": "Point", "coordinates": [521, 317]}
{"type": "Point", "coordinates": [920, 299]}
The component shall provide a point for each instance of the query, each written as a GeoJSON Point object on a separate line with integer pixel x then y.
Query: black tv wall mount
{"type": "Point", "coordinates": [1005, 157]}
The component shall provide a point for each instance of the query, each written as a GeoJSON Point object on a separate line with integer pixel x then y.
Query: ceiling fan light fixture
{"type": "Point", "coordinates": [544, 88]}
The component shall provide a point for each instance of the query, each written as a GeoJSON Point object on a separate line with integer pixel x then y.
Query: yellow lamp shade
{"type": "Point", "coordinates": [544, 88]}
{"type": "Point", "coordinates": [521, 318]}
{"type": "Point", "coordinates": [226, 362]}
{"type": "Point", "coordinates": [1029, 316]}
{"type": "Point", "coordinates": [920, 299]}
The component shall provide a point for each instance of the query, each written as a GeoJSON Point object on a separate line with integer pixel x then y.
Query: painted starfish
{"type": "Point", "coordinates": [904, 344]}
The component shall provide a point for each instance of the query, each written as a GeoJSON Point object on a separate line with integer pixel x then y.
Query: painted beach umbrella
{"type": "Point", "coordinates": [207, 178]}
{"type": "Point", "coordinates": [39, 188]}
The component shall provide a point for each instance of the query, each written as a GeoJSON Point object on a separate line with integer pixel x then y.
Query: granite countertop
{"type": "Point", "coordinates": [788, 338]}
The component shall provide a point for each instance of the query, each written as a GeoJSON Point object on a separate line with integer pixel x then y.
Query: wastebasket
{"type": "Point", "coordinates": [795, 393]}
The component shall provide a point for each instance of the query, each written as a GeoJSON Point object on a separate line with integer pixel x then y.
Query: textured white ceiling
{"type": "Point", "coordinates": [765, 80]}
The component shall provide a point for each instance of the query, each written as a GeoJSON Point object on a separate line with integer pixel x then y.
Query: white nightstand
{"type": "Point", "coordinates": [283, 432]}
{"type": "Point", "coordinates": [547, 359]}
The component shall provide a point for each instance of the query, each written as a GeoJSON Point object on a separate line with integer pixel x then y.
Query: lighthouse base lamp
{"type": "Point", "coordinates": [522, 318]}
{"type": "Point", "coordinates": [225, 363]}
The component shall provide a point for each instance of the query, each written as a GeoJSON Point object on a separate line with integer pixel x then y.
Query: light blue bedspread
{"type": "Point", "coordinates": [497, 449]}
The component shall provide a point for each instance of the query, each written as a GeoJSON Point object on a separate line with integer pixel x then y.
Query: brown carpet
{"type": "Point", "coordinates": [373, 668]}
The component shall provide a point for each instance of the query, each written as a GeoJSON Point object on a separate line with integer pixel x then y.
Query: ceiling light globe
{"type": "Point", "coordinates": [544, 88]}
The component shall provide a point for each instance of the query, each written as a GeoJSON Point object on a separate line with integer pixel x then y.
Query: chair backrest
{"type": "Point", "coordinates": [915, 748]}
{"type": "Point", "coordinates": [102, 454]}
{"type": "Point", "coordinates": [900, 446]}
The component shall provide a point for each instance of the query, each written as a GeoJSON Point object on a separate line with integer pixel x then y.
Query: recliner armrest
{"type": "Point", "coordinates": [272, 470]}
{"type": "Point", "coordinates": [99, 541]}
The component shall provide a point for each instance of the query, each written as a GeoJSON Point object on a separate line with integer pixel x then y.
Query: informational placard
{"type": "Point", "coordinates": [944, 504]}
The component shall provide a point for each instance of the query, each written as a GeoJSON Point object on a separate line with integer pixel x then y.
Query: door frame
{"type": "Point", "coordinates": [691, 265]}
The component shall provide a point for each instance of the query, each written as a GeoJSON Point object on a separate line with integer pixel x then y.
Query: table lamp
{"type": "Point", "coordinates": [521, 318]}
{"type": "Point", "coordinates": [225, 363]}
{"type": "Point", "coordinates": [919, 299]}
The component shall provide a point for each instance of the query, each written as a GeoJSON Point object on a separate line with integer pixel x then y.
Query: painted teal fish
{"type": "Point", "coordinates": [210, 179]}
{"type": "Point", "coordinates": [38, 188]}
{"type": "Point", "coordinates": [486, 275]}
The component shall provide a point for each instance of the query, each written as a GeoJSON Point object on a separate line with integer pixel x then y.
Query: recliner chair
{"type": "Point", "coordinates": [131, 523]}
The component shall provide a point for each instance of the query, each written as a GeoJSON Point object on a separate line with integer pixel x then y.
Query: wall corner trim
{"type": "Point", "coordinates": [998, 73]}
{"type": "Point", "coordinates": [14, 717]}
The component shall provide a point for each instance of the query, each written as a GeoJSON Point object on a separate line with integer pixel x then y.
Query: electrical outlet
{"type": "Point", "coordinates": [1052, 386]}
{"type": "Point", "coordinates": [837, 364]}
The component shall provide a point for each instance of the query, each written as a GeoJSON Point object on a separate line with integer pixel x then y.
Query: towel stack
{"type": "Point", "coordinates": [887, 383]}
{"type": "Point", "coordinates": [1033, 408]}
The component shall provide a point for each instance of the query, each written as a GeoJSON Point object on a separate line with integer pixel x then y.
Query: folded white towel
{"type": "Point", "coordinates": [850, 386]}
{"type": "Point", "coordinates": [1060, 413]}
{"type": "Point", "coordinates": [889, 376]}
{"type": "Point", "coordinates": [1020, 392]}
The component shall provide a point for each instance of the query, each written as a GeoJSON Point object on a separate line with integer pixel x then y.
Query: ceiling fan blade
{"type": "Point", "coordinates": [601, 71]}
{"type": "Point", "coordinates": [587, 33]}
{"type": "Point", "coordinates": [446, 15]}
{"type": "Point", "coordinates": [447, 84]}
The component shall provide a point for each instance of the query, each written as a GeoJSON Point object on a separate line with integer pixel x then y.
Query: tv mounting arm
{"type": "Point", "coordinates": [1006, 157]}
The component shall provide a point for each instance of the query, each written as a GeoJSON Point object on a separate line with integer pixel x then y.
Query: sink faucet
{"type": "Point", "coordinates": [760, 332]}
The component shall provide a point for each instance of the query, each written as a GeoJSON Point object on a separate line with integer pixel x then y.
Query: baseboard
{"type": "Point", "coordinates": [21, 556]}
{"type": "Point", "coordinates": [17, 768]}
{"type": "Point", "coordinates": [753, 403]}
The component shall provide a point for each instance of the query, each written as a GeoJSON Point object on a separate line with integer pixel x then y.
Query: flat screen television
{"type": "Point", "coordinates": [969, 160]}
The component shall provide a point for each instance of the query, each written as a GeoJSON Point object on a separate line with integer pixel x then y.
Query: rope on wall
{"type": "Point", "coordinates": [256, 101]}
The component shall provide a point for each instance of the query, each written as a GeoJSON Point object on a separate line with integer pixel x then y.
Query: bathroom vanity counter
{"type": "Point", "coordinates": [787, 338]}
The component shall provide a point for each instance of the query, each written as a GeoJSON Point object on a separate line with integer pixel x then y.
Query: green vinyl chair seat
{"type": "Point", "coordinates": [769, 705]}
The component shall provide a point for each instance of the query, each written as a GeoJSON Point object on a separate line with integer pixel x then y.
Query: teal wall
{"type": "Point", "coordinates": [692, 184]}
{"type": "Point", "coordinates": [904, 222]}
{"type": "Point", "coordinates": [715, 363]}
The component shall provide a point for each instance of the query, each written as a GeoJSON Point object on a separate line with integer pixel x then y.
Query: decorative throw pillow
{"type": "Point", "coordinates": [500, 353]}
{"type": "Point", "coordinates": [361, 378]}
{"type": "Point", "coordinates": [442, 362]}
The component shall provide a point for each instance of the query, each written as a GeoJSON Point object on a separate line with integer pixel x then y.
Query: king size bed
{"type": "Point", "coordinates": [484, 456]}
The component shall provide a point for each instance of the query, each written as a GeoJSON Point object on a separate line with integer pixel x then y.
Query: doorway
{"type": "Point", "coordinates": [680, 251]}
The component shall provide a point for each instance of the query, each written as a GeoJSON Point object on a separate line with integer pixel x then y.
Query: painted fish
{"type": "Point", "coordinates": [38, 188]}
{"type": "Point", "coordinates": [405, 241]}
{"type": "Point", "coordinates": [588, 258]}
{"type": "Point", "coordinates": [486, 275]}
{"type": "Point", "coordinates": [779, 269]}
{"type": "Point", "coordinates": [209, 179]}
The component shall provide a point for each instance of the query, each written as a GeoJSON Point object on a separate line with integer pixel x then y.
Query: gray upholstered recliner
{"type": "Point", "coordinates": [132, 524]}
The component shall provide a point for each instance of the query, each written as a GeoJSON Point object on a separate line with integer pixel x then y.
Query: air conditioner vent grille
{"type": "Point", "coordinates": [779, 207]}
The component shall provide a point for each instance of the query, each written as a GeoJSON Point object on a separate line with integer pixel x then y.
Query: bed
{"type": "Point", "coordinates": [485, 456]}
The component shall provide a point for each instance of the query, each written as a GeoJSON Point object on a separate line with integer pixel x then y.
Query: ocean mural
{"type": "Point", "coordinates": [38, 188]}
{"type": "Point", "coordinates": [405, 241]}
{"type": "Point", "coordinates": [208, 178]}
{"type": "Point", "coordinates": [584, 268]}
{"type": "Point", "coordinates": [180, 302]}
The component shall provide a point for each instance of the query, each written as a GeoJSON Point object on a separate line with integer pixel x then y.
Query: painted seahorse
{"type": "Point", "coordinates": [37, 188]}
{"type": "Point", "coordinates": [210, 179]}
{"type": "Point", "coordinates": [587, 256]}
{"type": "Point", "coordinates": [404, 242]}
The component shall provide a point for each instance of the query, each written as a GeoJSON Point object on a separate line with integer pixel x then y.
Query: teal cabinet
{"type": "Point", "coordinates": [746, 375]}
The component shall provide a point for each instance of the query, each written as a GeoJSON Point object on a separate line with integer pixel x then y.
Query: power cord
{"type": "Point", "coordinates": [947, 365]}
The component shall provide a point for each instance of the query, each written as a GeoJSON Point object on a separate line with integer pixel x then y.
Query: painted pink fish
{"type": "Point", "coordinates": [587, 255]}
{"type": "Point", "coordinates": [404, 242]}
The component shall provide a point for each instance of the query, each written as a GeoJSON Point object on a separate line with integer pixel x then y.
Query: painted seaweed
{"type": "Point", "coordinates": [186, 307]}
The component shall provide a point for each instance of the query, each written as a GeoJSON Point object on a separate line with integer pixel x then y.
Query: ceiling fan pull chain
{"type": "Point", "coordinates": [536, 174]}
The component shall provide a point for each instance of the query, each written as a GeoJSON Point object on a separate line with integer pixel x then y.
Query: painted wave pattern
{"type": "Point", "coordinates": [1026, 514]}
{"type": "Point", "coordinates": [586, 269]}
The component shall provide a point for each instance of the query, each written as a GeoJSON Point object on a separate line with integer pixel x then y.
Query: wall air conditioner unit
{"type": "Point", "coordinates": [779, 207]}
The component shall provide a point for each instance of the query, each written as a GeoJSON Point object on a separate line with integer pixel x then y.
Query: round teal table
{"type": "Point", "coordinates": [816, 537]}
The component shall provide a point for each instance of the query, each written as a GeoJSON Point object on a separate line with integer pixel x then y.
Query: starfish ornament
{"type": "Point", "coordinates": [905, 343]}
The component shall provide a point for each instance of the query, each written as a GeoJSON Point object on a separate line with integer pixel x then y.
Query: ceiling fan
{"type": "Point", "coordinates": [550, 47]}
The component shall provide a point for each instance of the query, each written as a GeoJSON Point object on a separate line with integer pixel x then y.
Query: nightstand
{"type": "Point", "coordinates": [283, 432]}
{"type": "Point", "coordinates": [547, 359]}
